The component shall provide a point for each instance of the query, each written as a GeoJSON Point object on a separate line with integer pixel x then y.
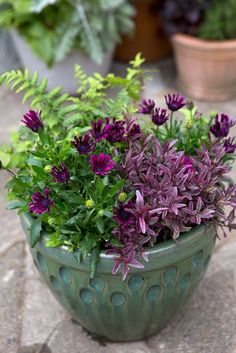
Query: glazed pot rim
{"type": "Point", "coordinates": [188, 40]}
{"type": "Point", "coordinates": [161, 254]}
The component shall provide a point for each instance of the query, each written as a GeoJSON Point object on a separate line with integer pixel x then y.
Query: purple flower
{"type": "Point", "coordinates": [229, 145]}
{"type": "Point", "coordinates": [122, 215]}
{"type": "Point", "coordinates": [175, 101]}
{"type": "Point", "coordinates": [221, 126]}
{"type": "Point", "coordinates": [61, 174]}
{"type": "Point", "coordinates": [160, 116]}
{"type": "Point", "coordinates": [99, 130]}
{"type": "Point", "coordinates": [101, 164]}
{"type": "Point", "coordinates": [115, 130]}
{"type": "Point", "coordinates": [84, 144]}
{"type": "Point", "coordinates": [147, 106]}
{"type": "Point", "coordinates": [33, 121]}
{"type": "Point", "coordinates": [41, 203]}
{"type": "Point", "coordinates": [134, 131]}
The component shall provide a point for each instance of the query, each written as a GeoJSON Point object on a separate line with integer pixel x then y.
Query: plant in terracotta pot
{"type": "Point", "coordinates": [52, 36]}
{"type": "Point", "coordinates": [203, 37]}
{"type": "Point", "coordinates": [121, 213]}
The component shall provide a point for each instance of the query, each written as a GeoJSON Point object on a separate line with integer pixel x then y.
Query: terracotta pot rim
{"type": "Point", "coordinates": [195, 42]}
{"type": "Point", "coordinates": [159, 253]}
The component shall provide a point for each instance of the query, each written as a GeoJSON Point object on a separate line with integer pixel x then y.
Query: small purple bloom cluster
{"type": "Point", "coordinates": [160, 116]}
{"type": "Point", "coordinates": [221, 128]}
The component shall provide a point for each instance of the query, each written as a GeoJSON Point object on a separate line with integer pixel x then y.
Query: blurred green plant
{"type": "Point", "coordinates": [53, 28]}
{"type": "Point", "coordinates": [219, 22]}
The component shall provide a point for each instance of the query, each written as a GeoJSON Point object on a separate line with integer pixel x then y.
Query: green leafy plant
{"type": "Point", "coordinates": [219, 22]}
{"type": "Point", "coordinates": [54, 28]}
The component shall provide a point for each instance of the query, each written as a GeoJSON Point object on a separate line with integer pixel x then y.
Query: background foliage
{"type": "Point", "coordinates": [53, 28]}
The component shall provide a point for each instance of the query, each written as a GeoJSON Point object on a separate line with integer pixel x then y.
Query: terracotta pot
{"type": "Point", "coordinates": [147, 38]}
{"type": "Point", "coordinates": [206, 69]}
{"type": "Point", "coordinates": [135, 308]}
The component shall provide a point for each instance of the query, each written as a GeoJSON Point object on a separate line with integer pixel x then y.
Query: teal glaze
{"type": "Point", "coordinates": [141, 305]}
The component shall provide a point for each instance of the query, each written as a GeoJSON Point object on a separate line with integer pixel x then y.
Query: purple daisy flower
{"type": "Point", "coordinates": [116, 130]}
{"type": "Point", "coordinates": [122, 215]}
{"type": "Point", "coordinates": [160, 116]}
{"type": "Point", "coordinates": [33, 121]}
{"type": "Point", "coordinates": [175, 101]}
{"type": "Point", "coordinates": [84, 144]}
{"type": "Point", "coordinates": [61, 174]}
{"type": "Point", "coordinates": [229, 145]}
{"type": "Point", "coordinates": [101, 164]}
{"type": "Point", "coordinates": [134, 131]}
{"type": "Point", "coordinates": [99, 130]}
{"type": "Point", "coordinates": [147, 106]}
{"type": "Point", "coordinates": [221, 126]}
{"type": "Point", "coordinates": [41, 203]}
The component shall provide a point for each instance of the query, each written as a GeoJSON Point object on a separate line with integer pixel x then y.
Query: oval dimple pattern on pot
{"type": "Point", "coordinates": [97, 283]}
{"type": "Point", "coordinates": [185, 281]}
{"type": "Point", "coordinates": [136, 283]}
{"type": "Point", "coordinates": [170, 275]}
{"type": "Point", "coordinates": [55, 283]}
{"type": "Point", "coordinates": [87, 296]}
{"type": "Point", "coordinates": [197, 259]}
{"type": "Point", "coordinates": [117, 299]}
{"type": "Point", "coordinates": [41, 262]}
{"type": "Point", "coordinates": [65, 274]}
{"type": "Point", "coordinates": [154, 293]}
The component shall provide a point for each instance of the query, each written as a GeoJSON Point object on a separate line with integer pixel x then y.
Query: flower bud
{"type": "Point", "coordinates": [89, 204]}
{"type": "Point", "coordinates": [100, 213]}
{"type": "Point", "coordinates": [47, 169]}
{"type": "Point", "coordinates": [51, 221]}
{"type": "Point", "coordinates": [188, 123]}
{"type": "Point", "coordinates": [122, 197]}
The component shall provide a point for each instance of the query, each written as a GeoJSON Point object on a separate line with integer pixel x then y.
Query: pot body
{"type": "Point", "coordinates": [8, 56]}
{"type": "Point", "coordinates": [147, 38]}
{"type": "Point", "coordinates": [62, 73]}
{"type": "Point", "coordinates": [141, 305]}
{"type": "Point", "coordinates": [206, 69]}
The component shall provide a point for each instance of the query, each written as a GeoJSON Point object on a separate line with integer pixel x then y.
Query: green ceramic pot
{"type": "Point", "coordinates": [141, 305]}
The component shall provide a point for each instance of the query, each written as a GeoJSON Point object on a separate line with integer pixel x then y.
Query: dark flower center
{"type": "Point", "coordinates": [45, 203]}
{"type": "Point", "coordinates": [83, 148]}
{"type": "Point", "coordinates": [125, 215]}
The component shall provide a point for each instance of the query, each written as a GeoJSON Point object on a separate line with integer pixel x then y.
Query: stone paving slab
{"type": "Point", "coordinates": [11, 297]}
{"type": "Point", "coordinates": [33, 322]}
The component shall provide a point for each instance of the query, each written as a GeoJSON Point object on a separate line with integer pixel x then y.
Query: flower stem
{"type": "Point", "coordinates": [171, 124]}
